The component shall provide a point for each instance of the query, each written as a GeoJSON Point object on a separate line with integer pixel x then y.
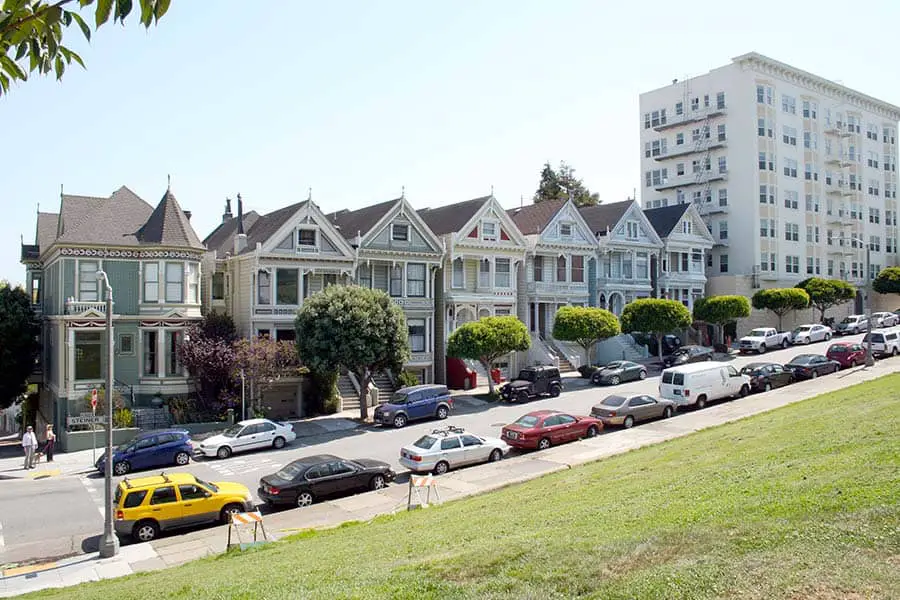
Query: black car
{"type": "Point", "coordinates": [810, 366]}
{"type": "Point", "coordinates": [306, 480]}
{"type": "Point", "coordinates": [670, 342]}
{"type": "Point", "coordinates": [531, 382]}
{"type": "Point", "coordinates": [765, 376]}
{"type": "Point", "coordinates": [618, 371]}
{"type": "Point", "coordinates": [688, 354]}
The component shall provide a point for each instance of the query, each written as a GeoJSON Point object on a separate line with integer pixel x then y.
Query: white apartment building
{"type": "Point", "coordinates": [794, 174]}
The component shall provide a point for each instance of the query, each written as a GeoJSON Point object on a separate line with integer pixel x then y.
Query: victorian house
{"type": "Point", "coordinates": [686, 243]}
{"type": "Point", "coordinates": [629, 249]}
{"type": "Point", "coordinates": [396, 252]}
{"type": "Point", "coordinates": [152, 259]}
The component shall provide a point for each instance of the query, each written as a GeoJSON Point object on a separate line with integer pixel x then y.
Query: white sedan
{"type": "Point", "coordinates": [450, 447]}
{"type": "Point", "coordinates": [884, 319]}
{"type": "Point", "coordinates": [251, 434]}
{"type": "Point", "coordinates": [806, 334]}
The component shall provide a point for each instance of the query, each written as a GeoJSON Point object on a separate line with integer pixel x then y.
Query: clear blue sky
{"type": "Point", "coordinates": [357, 99]}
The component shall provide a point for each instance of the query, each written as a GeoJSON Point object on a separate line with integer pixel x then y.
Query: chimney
{"type": "Point", "coordinates": [227, 216]}
{"type": "Point", "coordinates": [240, 241]}
{"type": "Point", "coordinates": [187, 213]}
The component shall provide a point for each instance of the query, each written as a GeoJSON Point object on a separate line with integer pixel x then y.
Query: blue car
{"type": "Point", "coordinates": [413, 403]}
{"type": "Point", "coordinates": [149, 450]}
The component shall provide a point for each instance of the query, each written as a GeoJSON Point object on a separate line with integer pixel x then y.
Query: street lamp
{"type": "Point", "coordinates": [870, 360]}
{"type": "Point", "coordinates": [109, 543]}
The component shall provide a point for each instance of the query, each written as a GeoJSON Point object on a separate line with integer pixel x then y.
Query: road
{"type": "Point", "coordinates": [59, 516]}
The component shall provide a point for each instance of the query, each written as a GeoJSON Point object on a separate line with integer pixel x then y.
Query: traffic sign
{"type": "Point", "coordinates": [86, 419]}
{"type": "Point", "coordinates": [94, 399]}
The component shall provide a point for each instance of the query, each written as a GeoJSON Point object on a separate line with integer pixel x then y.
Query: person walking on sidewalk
{"type": "Point", "coordinates": [50, 443]}
{"type": "Point", "coordinates": [29, 445]}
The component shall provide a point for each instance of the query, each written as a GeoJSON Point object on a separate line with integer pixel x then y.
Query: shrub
{"type": "Point", "coordinates": [407, 379]}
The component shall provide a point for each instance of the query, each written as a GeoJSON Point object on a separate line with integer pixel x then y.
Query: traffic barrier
{"type": "Point", "coordinates": [240, 521]}
{"type": "Point", "coordinates": [418, 483]}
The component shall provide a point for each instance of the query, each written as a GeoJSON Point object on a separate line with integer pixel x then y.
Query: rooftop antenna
{"type": "Point", "coordinates": [403, 191]}
{"type": "Point", "coordinates": [309, 194]}
{"type": "Point", "coordinates": [521, 201]}
{"type": "Point", "coordinates": [168, 183]}
{"type": "Point", "coordinates": [492, 190]}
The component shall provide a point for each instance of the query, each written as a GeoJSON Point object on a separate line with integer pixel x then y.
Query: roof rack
{"type": "Point", "coordinates": [448, 430]}
{"type": "Point", "coordinates": [165, 477]}
{"type": "Point", "coordinates": [127, 483]}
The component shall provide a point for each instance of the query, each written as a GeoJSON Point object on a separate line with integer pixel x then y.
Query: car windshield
{"type": "Point", "coordinates": [802, 329]}
{"type": "Point", "coordinates": [838, 349]}
{"type": "Point", "coordinates": [751, 370]}
{"type": "Point", "coordinates": [615, 365]}
{"type": "Point", "coordinates": [425, 442]}
{"type": "Point", "coordinates": [527, 421]}
{"type": "Point", "coordinates": [290, 471]}
{"type": "Point", "coordinates": [681, 352]}
{"type": "Point", "coordinates": [233, 431]}
{"type": "Point", "coordinates": [613, 401]}
{"type": "Point", "coordinates": [758, 333]}
{"type": "Point", "coordinates": [398, 398]}
{"type": "Point", "coordinates": [802, 359]}
{"type": "Point", "coordinates": [526, 375]}
{"type": "Point", "coordinates": [210, 486]}
{"type": "Point", "coordinates": [849, 320]}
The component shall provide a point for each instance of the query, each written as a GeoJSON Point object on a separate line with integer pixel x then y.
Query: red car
{"type": "Point", "coordinates": [544, 428]}
{"type": "Point", "coordinates": [847, 353]}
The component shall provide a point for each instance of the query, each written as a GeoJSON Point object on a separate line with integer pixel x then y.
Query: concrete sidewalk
{"type": "Point", "coordinates": [175, 550]}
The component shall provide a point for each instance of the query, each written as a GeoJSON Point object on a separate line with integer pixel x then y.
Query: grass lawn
{"type": "Point", "coordinates": [799, 503]}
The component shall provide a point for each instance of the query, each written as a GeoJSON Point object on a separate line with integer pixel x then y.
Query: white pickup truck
{"type": "Point", "coordinates": [764, 338]}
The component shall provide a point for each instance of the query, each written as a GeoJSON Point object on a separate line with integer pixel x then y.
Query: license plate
{"type": "Point", "coordinates": [676, 392]}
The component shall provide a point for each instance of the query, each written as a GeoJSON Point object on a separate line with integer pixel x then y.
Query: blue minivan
{"type": "Point", "coordinates": [150, 449]}
{"type": "Point", "coordinates": [413, 403]}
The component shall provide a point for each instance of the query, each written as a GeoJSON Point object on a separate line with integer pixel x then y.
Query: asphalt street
{"type": "Point", "coordinates": [59, 516]}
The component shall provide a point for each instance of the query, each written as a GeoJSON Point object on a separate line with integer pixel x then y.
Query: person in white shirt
{"type": "Point", "coordinates": [29, 445]}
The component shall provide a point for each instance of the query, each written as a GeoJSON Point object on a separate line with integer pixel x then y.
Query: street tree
{"type": "Point", "coordinates": [655, 316]}
{"type": "Point", "coordinates": [207, 352]}
{"type": "Point", "coordinates": [353, 328]}
{"type": "Point", "coordinates": [19, 348]}
{"type": "Point", "coordinates": [887, 281]}
{"type": "Point", "coordinates": [827, 293]}
{"type": "Point", "coordinates": [31, 32]}
{"type": "Point", "coordinates": [781, 301]}
{"type": "Point", "coordinates": [488, 339]}
{"type": "Point", "coordinates": [585, 326]}
{"type": "Point", "coordinates": [561, 184]}
{"type": "Point", "coordinates": [264, 362]}
{"type": "Point", "coordinates": [720, 311]}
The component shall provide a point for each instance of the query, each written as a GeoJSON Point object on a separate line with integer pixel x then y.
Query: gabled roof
{"type": "Point", "coordinates": [221, 239]}
{"type": "Point", "coordinates": [451, 218]}
{"type": "Point", "coordinates": [603, 216]}
{"type": "Point", "coordinates": [534, 218]}
{"type": "Point", "coordinates": [168, 226]}
{"type": "Point", "coordinates": [665, 218]}
{"type": "Point", "coordinates": [46, 228]}
{"type": "Point", "coordinates": [349, 223]}
{"type": "Point", "coordinates": [268, 225]}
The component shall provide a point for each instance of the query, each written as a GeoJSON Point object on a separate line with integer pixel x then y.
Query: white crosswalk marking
{"type": "Point", "coordinates": [242, 466]}
{"type": "Point", "coordinates": [95, 489]}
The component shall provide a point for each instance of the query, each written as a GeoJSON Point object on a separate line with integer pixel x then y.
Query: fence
{"type": "Point", "coordinates": [151, 418]}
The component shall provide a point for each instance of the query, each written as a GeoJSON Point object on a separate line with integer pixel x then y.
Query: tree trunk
{"type": "Point", "coordinates": [487, 368]}
{"type": "Point", "coordinates": [363, 379]}
{"type": "Point", "coordinates": [659, 347]}
{"type": "Point", "coordinates": [780, 322]}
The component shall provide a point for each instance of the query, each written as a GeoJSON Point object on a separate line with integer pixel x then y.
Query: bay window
{"type": "Point", "coordinates": [287, 286]}
{"type": "Point", "coordinates": [397, 281]}
{"type": "Point", "coordinates": [502, 269]}
{"type": "Point", "coordinates": [458, 273]}
{"type": "Point", "coordinates": [88, 355]}
{"type": "Point", "coordinates": [641, 266]}
{"type": "Point", "coordinates": [87, 280]}
{"type": "Point", "coordinates": [416, 329]}
{"type": "Point", "coordinates": [578, 269]}
{"type": "Point", "coordinates": [484, 274]}
{"type": "Point", "coordinates": [174, 282]}
{"type": "Point", "coordinates": [561, 268]}
{"type": "Point", "coordinates": [149, 352]}
{"type": "Point", "coordinates": [538, 268]}
{"type": "Point", "coordinates": [364, 276]}
{"type": "Point", "coordinates": [151, 282]}
{"type": "Point", "coordinates": [263, 287]}
{"type": "Point", "coordinates": [193, 283]}
{"type": "Point", "coordinates": [415, 280]}
{"type": "Point", "coordinates": [173, 362]}
{"type": "Point", "coordinates": [627, 267]}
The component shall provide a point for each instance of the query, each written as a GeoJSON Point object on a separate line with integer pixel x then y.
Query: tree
{"type": "Point", "coordinates": [781, 301]}
{"type": "Point", "coordinates": [264, 362]}
{"type": "Point", "coordinates": [353, 328]}
{"type": "Point", "coordinates": [721, 310]}
{"type": "Point", "coordinates": [585, 326]}
{"type": "Point", "coordinates": [31, 33]}
{"type": "Point", "coordinates": [208, 353]}
{"type": "Point", "coordinates": [888, 281]}
{"type": "Point", "coordinates": [488, 339]}
{"type": "Point", "coordinates": [656, 316]}
{"type": "Point", "coordinates": [19, 347]}
{"type": "Point", "coordinates": [562, 184]}
{"type": "Point", "coordinates": [826, 293]}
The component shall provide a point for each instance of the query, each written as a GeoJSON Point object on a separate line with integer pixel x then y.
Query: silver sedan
{"type": "Point", "coordinates": [449, 448]}
{"type": "Point", "coordinates": [627, 410]}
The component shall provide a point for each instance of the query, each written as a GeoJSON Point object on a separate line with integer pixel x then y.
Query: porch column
{"type": "Point", "coordinates": [70, 358]}
{"type": "Point", "coordinates": [160, 353]}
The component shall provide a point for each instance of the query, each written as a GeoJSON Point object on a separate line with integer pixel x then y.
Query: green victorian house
{"type": "Point", "coordinates": [152, 258]}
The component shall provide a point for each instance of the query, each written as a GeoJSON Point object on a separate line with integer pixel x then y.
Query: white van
{"type": "Point", "coordinates": [700, 383]}
{"type": "Point", "coordinates": [885, 342]}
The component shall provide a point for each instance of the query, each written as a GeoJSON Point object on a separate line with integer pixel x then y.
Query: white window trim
{"type": "Point", "coordinates": [462, 283]}
{"type": "Point", "coordinates": [496, 225]}
{"type": "Point", "coordinates": [159, 269]}
{"type": "Point", "coordinates": [637, 229]}
{"type": "Point", "coordinates": [394, 227]}
{"type": "Point", "coordinates": [571, 227]}
{"type": "Point", "coordinates": [305, 248]}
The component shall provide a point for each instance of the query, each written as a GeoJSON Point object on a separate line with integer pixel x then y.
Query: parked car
{"type": "Point", "coordinates": [810, 366]}
{"type": "Point", "coordinates": [627, 410]}
{"type": "Point", "coordinates": [414, 403]}
{"type": "Point", "coordinates": [251, 434]}
{"type": "Point", "coordinates": [764, 338]}
{"type": "Point", "coordinates": [145, 506]}
{"type": "Point", "coordinates": [765, 376]}
{"type": "Point", "coordinates": [807, 334]}
{"type": "Point", "coordinates": [531, 382]}
{"type": "Point", "coordinates": [449, 448]}
{"type": "Point", "coordinates": [618, 371]}
{"type": "Point", "coordinates": [885, 343]}
{"type": "Point", "coordinates": [847, 354]}
{"type": "Point", "coordinates": [884, 319]}
{"type": "Point", "coordinates": [699, 384]}
{"type": "Point", "coordinates": [688, 354]}
{"type": "Point", "coordinates": [852, 324]}
{"type": "Point", "coordinates": [305, 480]}
{"type": "Point", "coordinates": [544, 428]}
{"type": "Point", "coordinates": [150, 450]}
{"type": "Point", "coordinates": [670, 342]}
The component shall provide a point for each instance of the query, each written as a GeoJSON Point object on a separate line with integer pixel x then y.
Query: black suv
{"type": "Point", "coordinates": [531, 382]}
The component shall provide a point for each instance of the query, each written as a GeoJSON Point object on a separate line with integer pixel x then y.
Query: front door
{"type": "Point", "coordinates": [197, 505]}
{"type": "Point", "coordinates": [165, 508]}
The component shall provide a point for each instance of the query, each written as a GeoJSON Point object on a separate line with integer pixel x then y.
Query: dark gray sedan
{"type": "Point", "coordinates": [618, 371]}
{"type": "Point", "coordinates": [628, 410]}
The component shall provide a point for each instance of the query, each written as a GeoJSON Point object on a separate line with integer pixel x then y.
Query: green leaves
{"type": "Point", "coordinates": [654, 315]}
{"type": "Point", "coordinates": [19, 331]}
{"type": "Point", "coordinates": [488, 339]}
{"type": "Point", "coordinates": [585, 326]}
{"type": "Point", "coordinates": [781, 301]}
{"type": "Point", "coordinates": [888, 281]}
{"type": "Point", "coordinates": [720, 310]}
{"type": "Point", "coordinates": [561, 184]}
{"type": "Point", "coordinates": [826, 293]}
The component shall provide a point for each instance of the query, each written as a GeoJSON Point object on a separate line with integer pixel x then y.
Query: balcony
{"type": "Point", "coordinates": [839, 189]}
{"type": "Point", "coordinates": [415, 303]}
{"type": "Point", "coordinates": [695, 148]}
{"type": "Point", "coordinates": [695, 276]}
{"type": "Point", "coordinates": [837, 129]}
{"type": "Point", "coordinates": [692, 117]}
{"type": "Point", "coordinates": [276, 311]}
{"type": "Point", "coordinates": [79, 307]}
{"type": "Point", "coordinates": [557, 288]}
{"type": "Point", "coordinates": [713, 208]}
{"type": "Point", "coordinates": [720, 243]}
{"type": "Point", "coordinates": [841, 160]}
{"type": "Point", "coordinates": [689, 179]}
{"type": "Point", "coordinates": [619, 279]}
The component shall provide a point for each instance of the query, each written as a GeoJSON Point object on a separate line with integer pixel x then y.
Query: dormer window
{"type": "Point", "coordinates": [565, 230]}
{"type": "Point", "coordinates": [489, 231]}
{"type": "Point", "coordinates": [686, 227]}
{"type": "Point", "coordinates": [631, 230]}
{"type": "Point", "coordinates": [400, 232]}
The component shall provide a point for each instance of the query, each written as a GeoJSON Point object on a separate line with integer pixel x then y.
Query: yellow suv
{"type": "Point", "coordinates": [147, 505]}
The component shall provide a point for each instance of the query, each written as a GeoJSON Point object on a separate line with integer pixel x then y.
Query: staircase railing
{"type": "Point", "coordinates": [126, 390]}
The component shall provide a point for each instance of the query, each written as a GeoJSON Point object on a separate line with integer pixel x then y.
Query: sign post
{"type": "Point", "coordinates": [93, 427]}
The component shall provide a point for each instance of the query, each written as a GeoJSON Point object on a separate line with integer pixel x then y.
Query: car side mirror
{"type": "Point", "coordinates": [207, 494]}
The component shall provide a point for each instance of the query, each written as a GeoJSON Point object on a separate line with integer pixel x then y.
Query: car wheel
{"type": "Point", "coordinates": [592, 431]}
{"type": "Point", "coordinates": [554, 391]}
{"type": "Point", "coordinates": [496, 454]}
{"type": "Point", "coordinates": [182, 458]}
{"type": "Point", "coordinates": [784, 344]}
{"type": "Point", "coordinates": [442, 412]}
{"type": "Point", "coordinates": [853, 364]}
{"type": "Point", "coordinates": [667, 413]}
{"type": "Point", "coordinates": [894, 351]}
{"type": "Point", "coordinates": [629, 422]}
{"type": "Point", "coordinates": [223, 452]}
{"type": "Point", "coordinates": [814, 374]}
{"type": "Point", "coordinates": [228, 510]}
{"type": "Point", "coordinates": [808, 341]}
{"type": "Point", "coordinates": [304, 499]}
{"type": "Point", "coordinates": [278, 443]}
{"type": "Point", "coordinates": [745, 391]}
{"type": "Point", "coordinates": [767, 387]}
{"type": "Point", "coordinates": [827, 337]}
{"type": "Point", "coordinates": [642, 375]}
{"type": "Point", "coordinates": [522, 396]}
{"type": "Point", "coordinates": [400, 421]}
{"type": "Point", "coordinates": [762, 349]}
{"type": "Point", "coordinates": [614, 380]}
{"type": "Point", "coordinates": [544, 443]}
{"type": "Point", "coordinates": [709, 357]}
{"type": "Point", "coordinates": [145, 531]}
{"type": "Point", "coordinates": [701, 402]}
{"type": "Point", "coordinates": [377, 483]}
{"type": "Point", "coordinates": [121, 467]}
{"type": "Point", "coordinates": [441, 468]}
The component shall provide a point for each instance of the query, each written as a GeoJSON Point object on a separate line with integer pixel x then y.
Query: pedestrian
{"type": "Point", "coordinates": [29, 445]}
{"type": "Point", "coordinates": [50, 444]}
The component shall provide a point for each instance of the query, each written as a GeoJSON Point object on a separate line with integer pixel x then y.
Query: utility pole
{"type": "Point", "coordinates": [109, 543]}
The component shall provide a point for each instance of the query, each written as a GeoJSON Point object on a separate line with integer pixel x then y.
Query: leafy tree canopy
{"type": "Point", "coordinates": [656, 316]}
{"type": "Point", "coordinates": [488, 339]}
{"type": "Point", "coordinates": [354, 328]}
{"type": "Point", "coordinates": [561, 184]}
{"type": "Point", "coordinates": [721, 310]}
{"type": "Point", "coordinates": [888, 281]}
{"type": "Point", "coordinates": [585, 326]}
{"type": "Point", "coordinates": [826, 293]}
{"type": "Point", "coordinates": [31, 32]}
{"type": "Point", "coordinates": [781, 301]}
{"type": "Point", "coordinates": [19, 329]}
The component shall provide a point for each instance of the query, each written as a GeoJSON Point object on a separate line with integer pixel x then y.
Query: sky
{"type": "Point", "coordinates": [360, 100]}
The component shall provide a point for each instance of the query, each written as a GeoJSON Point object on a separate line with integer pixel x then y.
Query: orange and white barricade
{"type": "Point", "coordinates": [244, 521]}
{"type": "Point", "coordinates": [418, 484]}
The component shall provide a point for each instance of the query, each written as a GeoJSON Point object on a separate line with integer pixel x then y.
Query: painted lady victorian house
{"type": "Point", "coordinates": [152, 259]}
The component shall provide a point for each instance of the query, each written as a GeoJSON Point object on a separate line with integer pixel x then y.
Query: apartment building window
{"type": "Point", "coordinates": [810, 109]}
{"type": "Point", "coordinates": [698, 196]}
{"type": "Point", "coordinates": [723, 230]}
{"type": "Point", "coordinates": [767, 262]}
{"type": "Point", "coordinates": [695, 104]}
{"type": "Point", "coordinates": [789, 135]}
{"type": "Point", "coordinates": [720, 100]}
{"type": "Point", "coordinates": [561, 268]}
{"type": "Point", "coordinates": [763, 228]}
{"type": "Point", "coordinates": [766, 162]}
{"type": "Point", "coordinates": [263, 287]}
{"type": "Point", "coordinates": [538, 268]}
{"type": "Point", "coordinates": [484, 274]}
{"type": "Point", "coordinates": [655, 118]}
{"type": "Point", "coordinates": [287, 286]}
{"type": "Point", "coordinates": [890, 217]}
{"type": "Point", "coordinates": [723, 198]}
{"type": "Point", "coordinates": [679, 108]}
{"type": "Point", "coordinates": [830, 265]}
{"type": "Point", "coordinates": [151, 282]}
{"type": "Point", "coordinates": [396, 281]}
{"type": "Point", "coordinates": [872, 159]}
{"type": "Point", "coordinates": [875, 243]}
{"type": "Point", "coordinates": [767, 194]}
{"type": "Point", "coordinates": [889, 163]}
{"type": "Point", "coordinates": [889, 245]}
{"type": "Point", "coordinates": [723, 263]}
{"type": "Point", "coordinates": [695, 166]}
{"type": "Point", "coordinates": [720, 132]}
{"type": "Point", "coordinates": [88, 355]}
{"type": "Point", "coordinates": [872, 132]}
{"type": "Point", "coordinates": [810, 140]}
{"type": "Point", "coordinates": [578, 269]}
{"type": "Point", "coordinates": [765, 94]}
{"type": "Point", "coordinates": [679, 169]}
{"type": "Point", "coordinates": [853, 124]}
{"type": "Point", "coordinates": [660, 176]}
{"type": "Point", "coordinates": [889, 135]}
{"type": "Point", "coordinates": [874, 215]}
{"type": "Point", "coordinates": [149, 352]}
{"type": "Point", "coordinates": [792, 232]}
{"type": "Point", "coordinates": [791, 199]}
{"type": "Point", "coordinates": [415, 280]}
{"type": "Point", "coordinates": [631, 230]}
{"type": "Point", "coordinates": [789, 104]}
{"type": "Point", "coordinates": [502, 273]}
{"type": "Point", "coordinates": [416, 332]}
{"type": "Point", "coordinates": [810, 173]}
{"type": "Point", "coordinates": [854, 271]}
{"type": "Point", "coordinates": [829, 237]}
{"type": "Point", "coordinates": [890, 190]}
{"type": "Point", "coordinates": [812, 203]}
{"type": "Point", "coordinates": [818, 266]}
{"type": "Point", "coordinates": [658, 147]}
{"type": "Point", "coordinates": [709, 260]}
{"type": "Point", "coordinates": [810, 265]}
{"type": "Point", "coordinates": [459, 273]}
{"type": "Point", "coordinates": [874, 187]}
{"type": "Point", "coordinates": [679, 197]}
{"type": "Point", "coordinates": [679, 139]}
{"type": "Point", "coordinates": [791, 264]}
{"type": "Point", "coordinates": [723, 165]}
{"type": "Point", "coordinates": [790, 167]}
{"type": "Point", "coordinates": [174, 282]}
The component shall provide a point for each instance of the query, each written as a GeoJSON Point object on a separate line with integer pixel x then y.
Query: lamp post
{"type": "Point", "coordinates": [109, 543]}
{"type": "Point", "coordinates": [867, 309]}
